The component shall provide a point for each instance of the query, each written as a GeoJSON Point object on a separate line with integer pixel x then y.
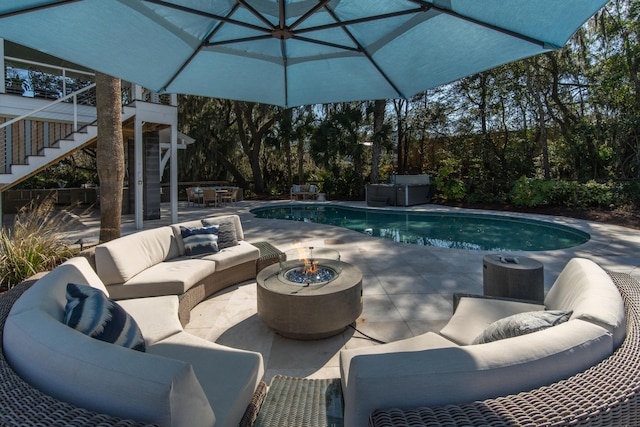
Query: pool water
{"type": "Point", "coordinates": [444, 230]}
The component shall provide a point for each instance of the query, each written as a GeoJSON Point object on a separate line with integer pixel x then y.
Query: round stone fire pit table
{"type": "Point", "coordinates": [312, 311]}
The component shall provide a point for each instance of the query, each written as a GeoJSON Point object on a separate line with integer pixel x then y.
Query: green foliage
{"type": "Point", "coordinates": [448, 183]}
{"type": "Point", "coordinates": [344, 185]}
{"type": "Point", "coordinates": [34, 244]}
{"type": "Point", "coordinates": [71, 173]}
{"type": "Point", "coordinates": [529, 192]}
{"type": "Point", "coordinates": [627, 194]}
{"type": "Point", "coordinates": [537, 192]}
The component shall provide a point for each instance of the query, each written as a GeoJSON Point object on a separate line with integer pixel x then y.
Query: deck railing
{"type": "Point", "coordinates": [29, 134]}
{"type": "Point", "coordinates": [73, 104]}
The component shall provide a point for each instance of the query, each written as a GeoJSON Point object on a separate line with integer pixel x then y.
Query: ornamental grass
{"type": "Point", "coordinates": [34, 243]}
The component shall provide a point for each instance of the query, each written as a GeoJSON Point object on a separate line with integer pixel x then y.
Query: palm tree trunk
{"type": "Point", "coordinates": [109, 155]}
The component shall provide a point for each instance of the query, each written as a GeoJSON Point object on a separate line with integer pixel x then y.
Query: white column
{"type": "Point", "coordinates": [174, 173]}
{"type": "Point", "coordinates": [137, 180]}
{"type": "Point", "coordinates": [2, 82]}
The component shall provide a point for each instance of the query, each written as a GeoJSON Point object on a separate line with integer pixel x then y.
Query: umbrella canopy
{"type": "Point", "coordinates": [293, 52]}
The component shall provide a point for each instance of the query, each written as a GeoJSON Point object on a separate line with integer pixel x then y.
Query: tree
{"type": "Point", "coordinates": [214, 154]}
{"type": "Point", "coordinates": [376, 148]}
{"type": "Point", "coordinates": [255, 123]}
{"type": "Point", "coordinates": [110, 155]}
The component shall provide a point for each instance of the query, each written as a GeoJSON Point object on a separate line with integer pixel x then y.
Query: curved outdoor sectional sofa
{"type": "Point", "coordinates": [53, 375]}
{"type": "Point", "coordinates": [479, 354]}
{"type": "Point", "coordinates": [143, 366]}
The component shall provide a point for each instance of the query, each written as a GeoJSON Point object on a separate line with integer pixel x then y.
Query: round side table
{"type": "Point", "coordinates": [513, 277]}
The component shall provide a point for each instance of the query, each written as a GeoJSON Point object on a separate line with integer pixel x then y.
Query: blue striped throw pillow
{"type": "Point", "coordinates": [89, 311]}
{"type": "Point", "coordinates": [227, 236]}
{"type": "Point", "coordinates": [199, 240]}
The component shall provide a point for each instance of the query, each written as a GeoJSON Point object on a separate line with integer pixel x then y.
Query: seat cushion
{"type": "Point", "coordinates": [417, 343]}
{"type": "Point", "coordinates": [228, 376]}
{"type": "Point", "coordinates": [234, 255]}
{"type": "Point", "coordinates": [157, 317]}
{"type": "Point", "coordinates": [173, 277]}
{"type": "Point", "coordinates": [474, 315]}
{"type": "Point", "coordinates": [89, 311]}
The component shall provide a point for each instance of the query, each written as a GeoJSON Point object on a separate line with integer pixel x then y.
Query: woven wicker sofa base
{"type": "Point", "coordinates": [607, 394]}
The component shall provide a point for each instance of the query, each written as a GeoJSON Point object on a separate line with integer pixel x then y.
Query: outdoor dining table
{"type": "Point", "coordinates": [199, 192]}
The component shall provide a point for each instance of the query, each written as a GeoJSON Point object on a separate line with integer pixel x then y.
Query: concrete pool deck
{"type": "Point", "coordinates": [407, 289]}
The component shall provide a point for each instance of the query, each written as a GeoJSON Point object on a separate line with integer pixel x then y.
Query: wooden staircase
{"type": "Point", "coordinates": [40, 138]}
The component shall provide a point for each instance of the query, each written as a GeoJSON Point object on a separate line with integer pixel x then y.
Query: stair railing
{"type": "Point", "coordinates": [30, 133]}
{"type": "Point", "coordinates": [72, 98]}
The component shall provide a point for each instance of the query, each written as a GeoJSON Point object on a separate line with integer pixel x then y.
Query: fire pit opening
{"type": "Point", "coordinates": [309, 266]}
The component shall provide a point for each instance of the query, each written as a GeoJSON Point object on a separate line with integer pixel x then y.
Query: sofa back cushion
{"type": "Point", "coordinates": [107, 378]}
{"type": "Point", "coordinates": [474, 314]}
{"type": "Point", "coordinates": [119, 260]}
{"type": "Point", "coordinates": [75, 270]}
{"type": "Point", "coordinates": [587, 290]}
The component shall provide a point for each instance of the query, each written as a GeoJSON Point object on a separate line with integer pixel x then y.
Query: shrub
{"type": "Point", "coordinates": [537, 192]}
{"type": "Point", "coordinates": [34, 245]}
{"type": "Point", "coordinates": [530, 192]}
{"type": "Point", "coordinates": [448, 184]}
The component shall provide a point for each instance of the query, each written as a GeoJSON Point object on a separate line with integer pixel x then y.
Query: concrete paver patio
{"type": "Point", "coordinates": [407, 288]}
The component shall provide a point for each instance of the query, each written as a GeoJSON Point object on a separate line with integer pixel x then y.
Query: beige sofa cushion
{"type": "Point", "coordinates": [228, 377]}
{"type": "Point", "coordinates": [417, 343]}
{"type": "Point", "coordinates": [157, 317]}
{"type": "Point", "coordinates": [234, 255]}
{"type": "Point", "coordinates": [589, 292]}
{"type": "Point", "coordinates": [76, 270]}
{"type": "Point", "coordinates": [92, 374]}
{"type": "Point", "coordinates": [173, 277]}
{"type": "Point", "coordinates": [474, 315]}
{"type": "Point", "coordinates": [455, 375]}
{"type": "Point", "coordinates": [119, 260]}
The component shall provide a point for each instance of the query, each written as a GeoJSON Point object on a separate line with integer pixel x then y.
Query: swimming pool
{"type": "Point", "coordinates": [444, 230]}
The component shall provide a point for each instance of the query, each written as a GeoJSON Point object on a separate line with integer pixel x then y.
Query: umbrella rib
{"type": "Point", "coordinates": [492, 27]}
{"type": "Point", "coordinates": [256, 14]}
{"type": "Point", "coordinates": [220, 18]}
{"type": "Point", "coordinates": [204, 43]}
{"type": "Point", "coordinates": [283, 47]}
{"type": "Point", "coordinates": [344, 24]}
{"type": "Point", "coordinates": [311, 11]}
{"type": "Point", "coordinates": [365, 53]}
{"type": "Point", "coordinates": [36, 8]}
{"type": "Point", "coordinates": [242, 40]}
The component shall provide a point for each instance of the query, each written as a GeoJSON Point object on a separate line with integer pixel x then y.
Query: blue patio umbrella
{"type": "Point", "coordinates": [293, 52]}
